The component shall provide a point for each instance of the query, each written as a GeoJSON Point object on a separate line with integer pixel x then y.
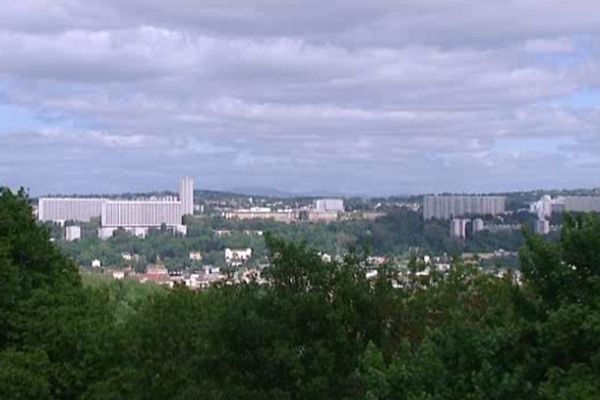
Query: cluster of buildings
{"type": "Point", "coordinates": [425, 265]}
{"type": "Point", "coordinates": [160, 275]}
{"type": "Point", "coordinates": [322, 210]}
{"type": "Point", "coordinates": [457, 207]}
{"type": "Point", "coordinates": [228, 232]}
{"type": "Point", "coordinates": [237, 257]}
{"type": "Point", "coordinates": [196, 279]}
{"type": "Point", "coordinates": [208, 275]}
{"type": "Point", "coordinates": [134, 216]}
{"type": "Point", "coordinates": [546, 206]}
{"type": "Point", "coordinates": [464, 227]}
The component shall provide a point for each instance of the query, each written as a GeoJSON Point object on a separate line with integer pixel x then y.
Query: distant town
{"type": "Point", "coordinates": [198, 238]}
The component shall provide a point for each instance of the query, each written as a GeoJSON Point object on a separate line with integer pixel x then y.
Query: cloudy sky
{"type": "Point", "coordinates": [357, 97]}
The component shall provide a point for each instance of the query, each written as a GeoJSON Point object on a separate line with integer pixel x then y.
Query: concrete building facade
{"type": "Point", "coordinates": [141, 213]}
{"type": "Point", "coordinates": [329, 205]}
{"type": "Point", "coordinates": [186, 196]}
{"type": "Point", "coordinates": [581, 203]}
{"type": "Point", "coordinates": [237, 257]}
{"type": "Point", "coordinates": [72, 232]}
{"type": "Point", "coordinates": [451, 206]}
{"type": "Point", "coordinates": [69, 208]}
{"type": "Point", "coordinates": [322, 216]}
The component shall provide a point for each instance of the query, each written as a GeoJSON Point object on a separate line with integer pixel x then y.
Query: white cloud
{"type": "Point", "coordinates": [292, 93]}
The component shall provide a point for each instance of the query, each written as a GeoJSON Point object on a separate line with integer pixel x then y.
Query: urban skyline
{"type": "Point", "coordinates": [278, 193]}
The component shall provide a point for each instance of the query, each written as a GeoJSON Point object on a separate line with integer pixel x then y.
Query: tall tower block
{"type": "Point", "coordinates": [186, 196]}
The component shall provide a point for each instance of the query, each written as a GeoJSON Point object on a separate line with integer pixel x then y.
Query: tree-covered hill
{"type": "Point", "coordinates": [317, 330]}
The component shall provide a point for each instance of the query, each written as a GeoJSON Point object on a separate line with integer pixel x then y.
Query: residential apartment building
{"type": "Point", "coordinates": [141, 213]}
{"type": "Point", "coordinates": [451, 206]}
{"type": "Point", "coordinates": [72, 232]}
{"type": "Point", "coordinates": [580, 203]}
{"type": "Point", "coordinates": [329, 205]}
{"type": "Point", "coordinates": [60, 209]}
{"type": "Point", "coordinates": [186, 196]}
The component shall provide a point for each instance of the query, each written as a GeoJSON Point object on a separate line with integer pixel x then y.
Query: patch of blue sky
{"type": "Point", "coordinates": [585, 98]}
{"type": "Point", "coordinates": [561, 60]}
{"type": "Point", "coordinates": [15, 118]}
{"type": "Point", "coordinates": [531, 145]}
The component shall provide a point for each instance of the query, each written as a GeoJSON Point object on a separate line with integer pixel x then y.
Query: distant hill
{"type": "Point", "coordinates": [516, 196]}
{"type": "Point", "coordinates": [270, 192]}
{"type": "Point", "coordinates": [261, 191]}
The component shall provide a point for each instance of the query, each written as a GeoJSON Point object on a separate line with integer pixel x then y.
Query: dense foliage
{"type": "Point", "coordinates": [318, 330]}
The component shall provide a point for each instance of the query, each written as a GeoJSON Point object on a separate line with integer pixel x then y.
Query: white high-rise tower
{"type": "Point", "coordinates": [186, 196]}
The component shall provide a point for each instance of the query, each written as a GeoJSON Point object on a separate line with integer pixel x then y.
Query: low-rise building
{"type": "Point", "coordinates": [211, 270]}
{"type": "Point", "coordinates": [192, 281]}
{"type": "Point", "coordinates": [372, 274]}
{"type": "Point", "coordinates": [118, 274]}
{"type": "Point", "coordinates": [285, 216]}
{"type": "Point", "coordinates": [322, 216]}
{"type": "Point", "coordinates": [237, 257]}
{"type": "Point", "coordinates": [108, 232]}
{"type": "Point", "coordinates": [325, 257]}
{"type": "Point", "coordinates": [376, 260]}
{"type": "Point", "coordinates": [156, 273]}
{"type": "Point", "coordinates": [252, 275]}
{"type": "Point", "coordinates": [72, 233]}
{"type": "Point", "coordinates": [253, 233]}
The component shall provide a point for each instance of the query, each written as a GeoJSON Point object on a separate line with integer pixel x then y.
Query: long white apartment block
{"type": "Point", "coordinates": [107, 232]}
{"type": "Point", "coordinates": [581, 203]}
{"type": "Point", "coordinates": [451, 206]}
{"type": "Point", "coordinates": [69, 208]}
{"type": "Point", "coordinates": [141, 213]}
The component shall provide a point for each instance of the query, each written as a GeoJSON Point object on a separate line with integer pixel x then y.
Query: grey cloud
{"type": "Point", "coordinates": [406, 95]}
